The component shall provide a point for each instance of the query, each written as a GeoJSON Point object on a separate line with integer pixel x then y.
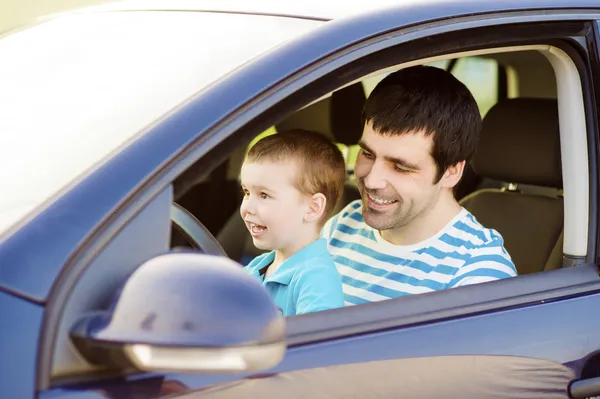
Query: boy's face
{"type": "Point", "coordinates": [396, 178]}
{"type": "Point", "coordinates": [273, 208]}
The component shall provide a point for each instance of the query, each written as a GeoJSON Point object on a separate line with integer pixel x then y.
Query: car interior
{"type": "Point", "coordinates": [513, 184]}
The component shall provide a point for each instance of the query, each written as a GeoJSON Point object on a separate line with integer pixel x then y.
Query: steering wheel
{"type": "Point", "coordinates": [194, 232]}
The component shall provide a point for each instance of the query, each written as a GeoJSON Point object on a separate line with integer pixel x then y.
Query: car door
{"type": "Point", "coordinates": [530, 335]}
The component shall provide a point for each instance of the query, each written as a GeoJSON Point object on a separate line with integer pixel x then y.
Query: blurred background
{"type": "Point", "coordinates": [18, 12]}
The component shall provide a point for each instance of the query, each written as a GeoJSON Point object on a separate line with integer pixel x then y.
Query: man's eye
{"type": "Point", "coordinates": [401, 169]}
{"type": "Point", "coordinates": [366, 154]}
{"type": "Point", "coordinates": [245, 192]}
{"type": "Point", "coordinates": [263, 196]}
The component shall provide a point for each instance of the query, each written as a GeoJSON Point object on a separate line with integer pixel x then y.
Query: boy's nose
{"type": "Point", "coordinates": [247, 207]}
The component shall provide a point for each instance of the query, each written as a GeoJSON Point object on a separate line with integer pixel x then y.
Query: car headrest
{"type": "Point", "coordinates": [520, 143]}
{"type": "Point", "coordinates": [345, 113]}
{"type": "Point", "coordinates": [338, 117]}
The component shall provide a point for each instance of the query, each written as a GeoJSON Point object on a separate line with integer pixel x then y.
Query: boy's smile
{"type": "Point", "coordinates": [255, 229]}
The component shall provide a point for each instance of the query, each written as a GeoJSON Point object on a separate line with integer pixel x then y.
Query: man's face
{"type": "Point", "coordinates": [396, 177]}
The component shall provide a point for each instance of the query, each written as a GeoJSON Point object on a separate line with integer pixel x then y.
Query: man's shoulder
{"type": "Point", "coordinates": [476, 252]}
{"type": "Point", "coordinates": [469, 232]}
{"type": "Point", "coordinates": [479, 242]}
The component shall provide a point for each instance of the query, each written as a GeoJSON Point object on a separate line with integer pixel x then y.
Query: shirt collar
{"type": "Point", "coordinates": [285, 271]}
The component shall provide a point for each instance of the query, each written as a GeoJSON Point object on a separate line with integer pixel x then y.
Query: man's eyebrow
{"type": "Point", "coordinates": [398, 161]}
{"type": "Point", "coordinates": [402, 162]}
{"type": "Point", "coordinates": [364, 146]}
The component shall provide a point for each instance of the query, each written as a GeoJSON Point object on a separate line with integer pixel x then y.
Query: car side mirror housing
{"type": "Point", "coordinates": [186, 312]}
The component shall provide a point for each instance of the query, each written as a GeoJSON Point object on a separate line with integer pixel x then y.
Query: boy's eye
{"type": "Point", "coordinates": [263, 196]}
{"type": "Point", "coordinates": [245, 192]}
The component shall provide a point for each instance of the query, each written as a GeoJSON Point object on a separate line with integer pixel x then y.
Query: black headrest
{"type": "Point", "coordinates": [345, 113]}
{"type": "Point", "coordinates": [520, 143]}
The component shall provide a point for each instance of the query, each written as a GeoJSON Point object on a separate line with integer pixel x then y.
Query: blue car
{"type": "Point", "coordinates": [122, 131]}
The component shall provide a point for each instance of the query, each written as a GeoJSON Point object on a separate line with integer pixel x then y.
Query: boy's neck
{"type": "Point", "coordinates": [299, 242]}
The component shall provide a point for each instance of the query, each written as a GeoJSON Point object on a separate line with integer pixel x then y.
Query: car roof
{"type": "Point", "coordinates": [290, 8]}
{"type": "Point", "coordinates": [329, 10]}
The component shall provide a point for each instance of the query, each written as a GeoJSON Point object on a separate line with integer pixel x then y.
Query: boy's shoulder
{"type": "Point", "coordinates": [316, 261]}
{"type": "Point", "coordinates": [319, 259]}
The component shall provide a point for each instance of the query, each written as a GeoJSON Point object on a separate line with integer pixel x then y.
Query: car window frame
{"type": "Point", "coordinates": [214, 145]}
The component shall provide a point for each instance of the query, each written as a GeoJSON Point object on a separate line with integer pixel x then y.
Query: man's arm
{"type": "Point", "coordinates": [489, 262]}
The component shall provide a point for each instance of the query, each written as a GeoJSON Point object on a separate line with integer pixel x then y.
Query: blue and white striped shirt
{"type": "Point", "coordinates": [463, 252]}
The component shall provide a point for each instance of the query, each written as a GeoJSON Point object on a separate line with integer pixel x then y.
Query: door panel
{"type": "Point", "coordinates": [491, 377]}
{"type": "Point", "coordinates": [535, 350]}
{"type": "Point", "coordinates": [20, 323]}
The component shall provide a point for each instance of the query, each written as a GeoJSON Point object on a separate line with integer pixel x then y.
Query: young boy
{"type": "Point", "coordinates": [291, 183]}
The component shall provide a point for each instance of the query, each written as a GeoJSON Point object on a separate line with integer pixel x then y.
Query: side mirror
{"type": "Point", "coordinates": [186, 312]}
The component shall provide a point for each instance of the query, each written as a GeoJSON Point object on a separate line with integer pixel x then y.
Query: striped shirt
{"type": "Point", "coordinates": [463, 252]}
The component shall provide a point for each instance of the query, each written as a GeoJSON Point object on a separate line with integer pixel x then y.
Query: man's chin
{"type": "Point", "coordinates": [376, 219]}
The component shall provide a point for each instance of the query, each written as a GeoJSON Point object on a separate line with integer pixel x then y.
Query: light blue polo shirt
{"type": "Point", "coordinates": [307, 282]}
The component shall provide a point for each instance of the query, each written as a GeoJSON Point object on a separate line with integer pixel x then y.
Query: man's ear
{"type": "Point", "coordinates": [316, 207]}
{"type": "Point", "coordinates": [453, 174]}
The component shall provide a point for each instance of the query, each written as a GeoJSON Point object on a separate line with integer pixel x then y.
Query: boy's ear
{"type": "Point", "coordinates": [316, 207]}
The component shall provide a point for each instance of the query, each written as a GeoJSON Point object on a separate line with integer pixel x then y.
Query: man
{"type": "Point", "coordinates": [408, 234]}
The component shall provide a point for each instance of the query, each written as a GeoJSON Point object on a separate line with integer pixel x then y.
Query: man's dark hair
{"type": "Point", "coordinates": [431, 100]}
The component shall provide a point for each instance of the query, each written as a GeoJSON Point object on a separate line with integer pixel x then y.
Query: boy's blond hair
{"type": "Point", "coordinates": [321, 165]}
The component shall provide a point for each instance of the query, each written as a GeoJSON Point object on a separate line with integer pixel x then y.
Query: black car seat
{"type": "Point", "coordinates": [211, 200]}
{"type": "Point", "coordinates": [520, 145]}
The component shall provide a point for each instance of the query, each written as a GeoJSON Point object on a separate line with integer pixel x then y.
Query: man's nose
{"type": "Point", "coordinates": [375, 179]}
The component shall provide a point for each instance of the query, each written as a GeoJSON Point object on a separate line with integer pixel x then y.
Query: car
{"type": "Point", "coordinates": [124, 126]}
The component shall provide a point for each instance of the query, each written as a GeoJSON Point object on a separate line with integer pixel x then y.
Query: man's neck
{"type": "Point", "coordinates": [427, 224]}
